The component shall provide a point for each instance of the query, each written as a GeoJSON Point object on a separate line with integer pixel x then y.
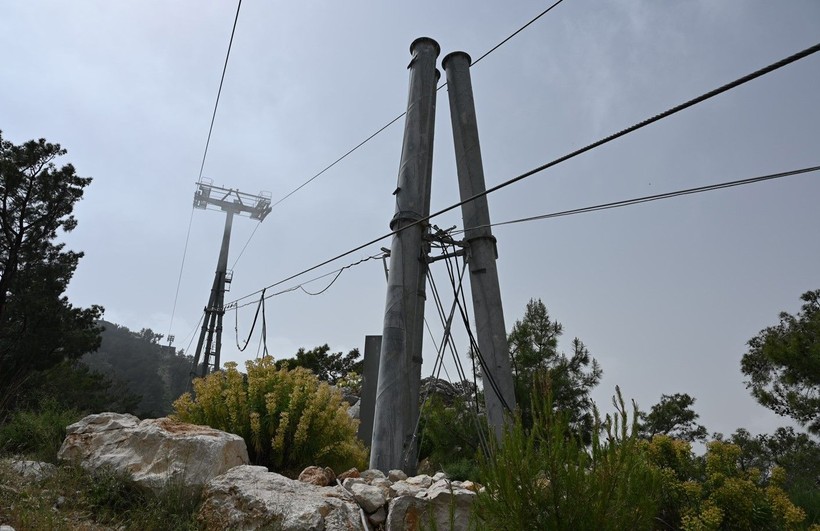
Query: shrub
{"type": "Point", "coordinates": [37, 434]}
{"type": "Point", "coordinates": [288, 418]}
{"type": "Point", "coordinates": [450, 437]}
{"type": "Point", "coordinates": [715, 492]}
{"type": "Point", "coordinates": [547, 478]}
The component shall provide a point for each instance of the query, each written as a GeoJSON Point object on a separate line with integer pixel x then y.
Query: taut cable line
{"type": "Point", "coordinates": [650, 198]}
{"type": "Point", "coordinates": [631, 129]}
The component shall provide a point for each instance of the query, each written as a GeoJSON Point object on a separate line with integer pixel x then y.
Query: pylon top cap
{"type": "Point", "coordinates": [425, 40]}
{"type": "Point", "coordinates": [456, 54]}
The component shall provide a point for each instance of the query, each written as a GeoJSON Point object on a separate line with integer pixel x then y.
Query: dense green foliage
{"type": "Point", "coordinates": [783, 364]}
{"type": "Point", "coordinates": [546, 477]}
{"type": "Point", "coordinates": [716, 493]}
{"type": "Point", "coordinates": [533, 344]}
{"type": "Point", "coordinates": [450, 437]}
{"type": "Point", "coordinates": [288, 418]}
{"type": "Point", "coordinates": [38, 434]}
{"type": "Point", "coordinates": [39, 328]}
{"type": "Point", "coordinates": [795, 453]}
{"type": "Point", "coordinates": [74, 385]}
{"type": "Point", "coordinates": [331, 367]}
{"type": "Point", "coordinates": [155, 373]}
{"type": "Point", "coordinates": [673, 416]}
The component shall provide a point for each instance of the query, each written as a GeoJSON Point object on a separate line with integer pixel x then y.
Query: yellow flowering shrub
{"type": "Point", "coordinates": [717, 493]}
{"type": "Point", "coordinates": [288, 418]}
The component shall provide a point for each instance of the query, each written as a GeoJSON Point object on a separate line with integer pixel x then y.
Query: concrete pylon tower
{"type": "Point", "coordinates": [499, 392]}
{"type": "Point", "coordinates": [397, 395]}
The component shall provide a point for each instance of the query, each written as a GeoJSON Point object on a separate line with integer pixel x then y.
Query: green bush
{"type": "Point", "coordinates": [288, 418]}
{"type": "Point", "coordinates": [37, 434]}
{"type": "Point", "coordinates": [716, 492]}
{"type": "Point", "coordinates": [547, 478]}
{"type": "Point", "coordinates": [806, 495]}
{"type": "Point", "coordinates": [450, 439]}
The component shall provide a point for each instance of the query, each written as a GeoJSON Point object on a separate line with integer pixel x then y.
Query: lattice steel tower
{"type": "Point", "coordinates": [231, 202]}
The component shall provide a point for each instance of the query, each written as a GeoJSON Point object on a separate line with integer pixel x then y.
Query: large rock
{"type": "Point", "coordinates": [449, 503]}
{"type": "Point", "coordinates": [155, 452]}
{"type": "Point", "coordinates": [250, 497]}
{"type": "Point", "coordinates": [441, 506]}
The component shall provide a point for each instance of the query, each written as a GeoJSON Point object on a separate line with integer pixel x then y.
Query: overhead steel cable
{"type": "Point", "coordinates": [516, 32]}
{"type": "Point", "coordinates": [340, 159]}
{"type": "Point", "coordinates": [382, 128]}
{"type": "Point", "coordinates": [640, 125]}
{"type": "Point", "coordinates": [219, 92]}
{"type": "Point", "coordinates": [181, 269]}
{"type": "Point", "coordinates": [649, 198]}
{"type": "Point", "coordinates": [201, 168]}
{"type": "Point", "coordinates": [397, 118]}
{"type": "Point", "coordinates": [690, 103]}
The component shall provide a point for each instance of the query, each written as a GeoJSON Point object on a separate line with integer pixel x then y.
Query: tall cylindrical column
{"type": "Point", "coordinates": [481, 251]}
{"type": "Point", "coordinates": [397, 392]}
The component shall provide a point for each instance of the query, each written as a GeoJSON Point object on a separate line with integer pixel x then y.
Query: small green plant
{"type": "Point", "coordinates": [545, 477]}
{"type": "Point", "coordinates": [37, 434]}
{"type": "Point", "coordinates": [110, 492]}
{"type": "Point", "coordinates": [288, 418]}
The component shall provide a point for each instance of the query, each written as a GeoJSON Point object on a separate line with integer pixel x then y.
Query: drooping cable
{"type": "Point", "coordinates": [265, 352]}
{"type": "Point", "coordinates": [690, 103]}
{"type": "Point", "coordinates": [325, 288]}
{"type": "Point", "coordinates": [337, 272]}
{"type": "Point", "coordinates": [253, 324]}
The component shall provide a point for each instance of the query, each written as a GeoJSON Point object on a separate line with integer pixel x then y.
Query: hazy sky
{"type": "Point", "coordinates": [665, 295]}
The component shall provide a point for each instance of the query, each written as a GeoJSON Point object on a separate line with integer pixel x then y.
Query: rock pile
{"type": "Point", "coordinates": [250, 497]}
{"type": "Point", "coordinates": [239, 496]}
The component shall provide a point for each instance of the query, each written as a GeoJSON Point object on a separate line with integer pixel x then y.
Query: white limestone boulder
{"type": "Point", "coordinates": [441, 506]}
{"type": "Point", "coordinates": [155, 452]}
{"type": "Point", "coordinates": [250, 497]}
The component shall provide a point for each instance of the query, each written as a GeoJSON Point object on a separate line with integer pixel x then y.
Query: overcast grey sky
{"type": "Point", "coordinates": [665, 295]}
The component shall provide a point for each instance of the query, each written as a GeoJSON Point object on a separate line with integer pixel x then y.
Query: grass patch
{"type": "Point", "coordinates": [37, 434]}
{"type": "Point", "coordinates": [72, 498]}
